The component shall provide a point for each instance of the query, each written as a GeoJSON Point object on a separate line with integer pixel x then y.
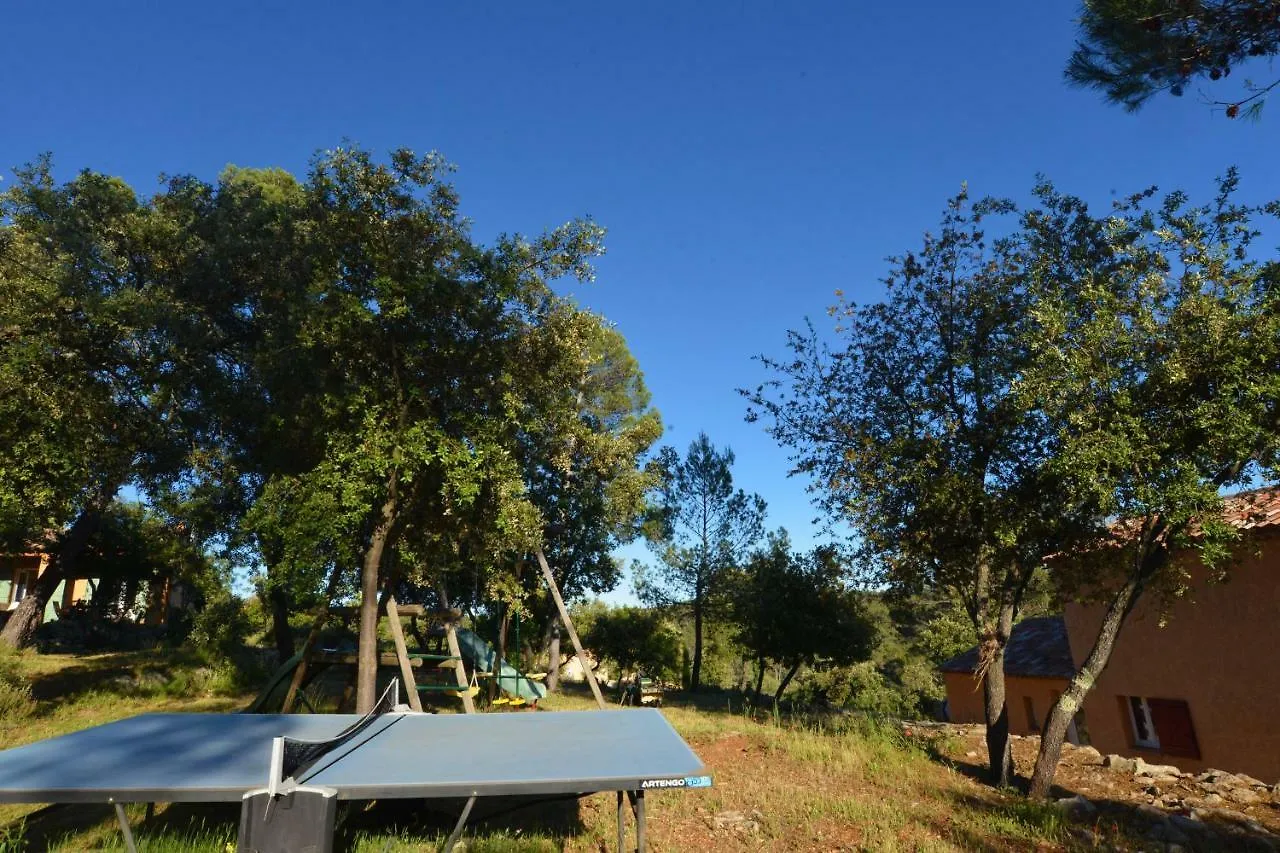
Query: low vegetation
{"type": "Point", "coordinates": [782, 782]}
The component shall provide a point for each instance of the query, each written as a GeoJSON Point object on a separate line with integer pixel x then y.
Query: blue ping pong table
{"type": "Point", "coordinates": [222, 757]}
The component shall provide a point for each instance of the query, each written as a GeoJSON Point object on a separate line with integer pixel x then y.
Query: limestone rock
{"type": "Point", "coordinates": [1189, 824]}
{"type": "Point", "coordinates": [1078, 807]}
{"type": "Point", "coordinates": [1243, 796]}
{"type": "Point", "coordinates": [1145, 769]}
{"type": "Point", "coordinates": [1151, 812]}
{"type": "Point", "coordinates": [1167, 832]}
{"type": "Point", "coordinates": [1120, 764]}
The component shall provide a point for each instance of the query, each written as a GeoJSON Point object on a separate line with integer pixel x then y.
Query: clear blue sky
{"type": "Point", "coordinates": [748, 158]}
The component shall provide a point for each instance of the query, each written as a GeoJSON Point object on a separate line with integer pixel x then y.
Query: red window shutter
{"type": "Point", "coordinates": [1172, 719]}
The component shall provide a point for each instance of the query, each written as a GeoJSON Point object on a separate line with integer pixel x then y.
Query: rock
{"type": "Point", "coordinates": [1189, 825]}
{"type": "Point", "coordinates": [1165, 780]}
{"type": "Point", "coordinates": [738, 822]}
{"type": "Point", "coordinates": [1120, 764]}
{"type": "Point", "coordinates": [1213, 800]}
{"type": "Point", "coordinates": [1089, 753]}
{"type": "Point", "coordinates": [1145, 769]}
{"type": "Point", "coordinates": [1243, 796]}
{"type": "Point", "coordinates": [973, 753]}
{"type": "Point", "coordinates": [1077, 807]}
{"type": "Point", "coordinates": [1151, 812]}
{"type": "Point", "coordinates": [1167, 832]}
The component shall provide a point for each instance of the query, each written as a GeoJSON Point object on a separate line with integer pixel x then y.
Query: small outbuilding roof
{"type": "Point", "coordinates": [1038, 648]}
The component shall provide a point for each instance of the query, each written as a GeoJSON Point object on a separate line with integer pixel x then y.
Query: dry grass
{"type": "Point", "coordinates": [780, 785]}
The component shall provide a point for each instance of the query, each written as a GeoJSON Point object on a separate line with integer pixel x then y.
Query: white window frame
{"type": "Point", "coordinates": [23, 580]}
{"type": "Point", "coordinates": [1153, 739]}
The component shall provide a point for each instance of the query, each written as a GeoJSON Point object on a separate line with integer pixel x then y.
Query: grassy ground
{"type": "Point", "coordinates": [780, 784]}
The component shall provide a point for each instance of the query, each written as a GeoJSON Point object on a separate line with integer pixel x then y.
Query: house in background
{"type": "Point", "coordinates": [18, 574]}
{"type": "Point", "coordinates": [1201, 692]}
{"type": "Point", "coordinates": [1037, 666]}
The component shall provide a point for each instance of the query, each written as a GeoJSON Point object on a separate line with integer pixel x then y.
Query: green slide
{"type": "Point", "coordinates": [480, 655]}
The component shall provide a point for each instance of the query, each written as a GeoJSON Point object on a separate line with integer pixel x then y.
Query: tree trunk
{"type": "Point", "coordinates": [786, 680]}
{"type": "Point", "coordinates": [370, 572]}
{"type": "Point", "coordinates": [999, 749]}
{"type": "Point", "coordinates": [1064, 710]}
{"type": "Point", "coordinates": [503, 624]}
{"type": "Point", "coordinates": [280, 629]}
{"type": "Point", "coordinates": [553, 665]}
{"type": "Point", "coordinates": [695, 678]}
{"type": "Point", "coordinates": [759, 678]}
{"type": "Point", "coordinates": [20, 630]}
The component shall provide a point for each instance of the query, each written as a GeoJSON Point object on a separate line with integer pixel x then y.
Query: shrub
{"type": "Point", "coordinates": [220, 629]}
{"type": "Point", "coordinates": [84, 628]}
{"type": "Point", "coordinates": [860, 687]}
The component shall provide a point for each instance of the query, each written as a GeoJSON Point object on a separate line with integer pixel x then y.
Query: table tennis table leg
{"type": "Point", "coordinates": [622, 824]}
{"type": "Point", "coordinates": [123, 819]}
{"type": "Point", "coordinates": [637, 808]}
{"type": "Point", "coordinates": [462, 823]}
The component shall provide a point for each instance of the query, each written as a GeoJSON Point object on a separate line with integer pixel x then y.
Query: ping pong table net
{"type": "Point", "coordinates": [295, 756]}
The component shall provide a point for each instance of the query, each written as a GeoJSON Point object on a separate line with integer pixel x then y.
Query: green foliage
{"type": "Point", "coordinates": [221, 627]}
{"type": "Point", "coordinates": [700, 529]}
{"type": "Point", "coordinates": [916, 430]}
{"type": "Point", "coordinates": [860, 687]}
{"type": "Point", "coordinates": [1133, 49]}
{"type": "Point", "coordinates": [1161, 375]}
{"type": "Point", "coordinates": [636, 638]}
{"type": "Point", "coordinates": [317, 373]}
{"type": "Point", "coordinates": [797, 609]}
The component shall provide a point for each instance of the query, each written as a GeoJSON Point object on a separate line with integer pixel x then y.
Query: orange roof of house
{"type": "Point", "coordinates": [1253, 509]}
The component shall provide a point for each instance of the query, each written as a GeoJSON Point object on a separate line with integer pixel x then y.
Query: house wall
{"type": "Point", "coordinates": [1217, 654]}
{"type": "Point", "coordinates": [965, 702]}
{"type": "Point", "coordinates": [66, 593]}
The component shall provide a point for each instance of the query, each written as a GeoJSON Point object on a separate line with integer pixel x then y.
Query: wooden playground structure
{"type": "Point", "coordinates": [439, 659]}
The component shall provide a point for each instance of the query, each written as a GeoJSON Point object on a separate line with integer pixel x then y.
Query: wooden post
{"type": "Point", "coordinates": [568, 625]}
{"type": "Point", "coordinates": [460, 672]}
{"type": "Point", "coordinates": [402, 654]}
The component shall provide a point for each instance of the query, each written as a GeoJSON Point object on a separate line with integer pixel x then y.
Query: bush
{"type": "Point", "coordinates": [635, 637]}
{"type": "Point", "coordinates": [15, 689]}
{"type": "Point", "coordinates": [220, 629]}
{"type": "Point", "coordinates": [860, 687]}
{"type": "Point", "coordinates": [83, 628]}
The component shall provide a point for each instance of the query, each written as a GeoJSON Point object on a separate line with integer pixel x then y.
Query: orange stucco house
{"type": "Point", "coordinates": [1201, 692]}
{"type": "Point", "coordinates": [1037, 666]}
{"type": "Point", "coordinates": [18, 574]}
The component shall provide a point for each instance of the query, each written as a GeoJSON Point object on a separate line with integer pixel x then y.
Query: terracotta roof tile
{"type": "Point", "coordinates": [1254, 509]}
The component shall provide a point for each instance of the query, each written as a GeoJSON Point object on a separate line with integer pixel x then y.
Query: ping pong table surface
{"type": "Point", "coordinates": [218, 757]}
